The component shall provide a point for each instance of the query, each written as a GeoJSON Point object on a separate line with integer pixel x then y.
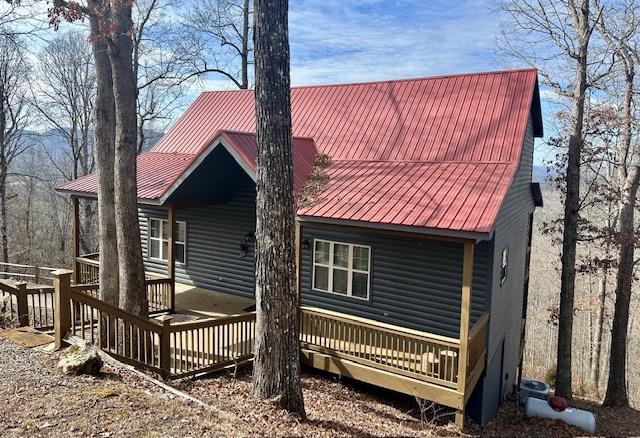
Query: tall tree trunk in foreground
{"type": "Point", "coordinates": [133, 296]}
{"type": "Point", "coordinates": [617, 386]}
{"type": "Point", "coordinates": [583, 29]}
{"type": "Point", "coordinates": [244, 52]}
{"type": "Point", "coordinates": [104, 152]}
{"type": "Point", "coordinates": [276, 369]}
{"type": "Point", "coordinates": [596, 355]}
{"type": "Point", "coordinates": [4, 232]}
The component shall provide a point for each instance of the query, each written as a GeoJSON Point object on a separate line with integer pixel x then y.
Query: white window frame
{"type": "Point", "coordinates": [504, 265]}
{"type": "Point", "coordinates": [160, 240]}
{"type": "Point", "coordinates": [350, 270]}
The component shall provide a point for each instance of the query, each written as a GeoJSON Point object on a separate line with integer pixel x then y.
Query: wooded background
{"type": "Point", "coordinates": [587, 53]}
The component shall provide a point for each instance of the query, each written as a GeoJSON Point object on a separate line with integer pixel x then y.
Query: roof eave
{"type": "Point", "coordinates": [461, 235]}
{"type": "Point", "coordinates": [90, 195]}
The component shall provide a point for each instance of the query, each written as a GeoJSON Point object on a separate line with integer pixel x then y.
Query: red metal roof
{"type": "Point", "coordinates": [158, 172]}
{"type": "Point", "coordinates": [436, 153]}
{"type": "Point", "coordinates": [455, 196]}
{"type": "Point", "coordinates": [471, 117]}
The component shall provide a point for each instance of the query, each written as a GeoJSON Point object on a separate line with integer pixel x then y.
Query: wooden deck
{"type": "Point", "coordinates": [208, 330]}
{"type": "Point", "coordinates": [206, 303]}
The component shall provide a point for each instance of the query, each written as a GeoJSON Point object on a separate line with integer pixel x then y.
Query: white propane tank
{"type": "Point", "coordinates": [576, 417]}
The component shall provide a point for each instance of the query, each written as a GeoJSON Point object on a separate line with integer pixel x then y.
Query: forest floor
{"type": "Point", "coordinates": [38, 400]}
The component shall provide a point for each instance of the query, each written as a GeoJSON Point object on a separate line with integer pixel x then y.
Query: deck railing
{"type": "Point", "coordinates": [173, 350]}
{"type": "Point", "coordinates": [415, 354]}
{"type": "Point", "coordinates": [88, 267]}
{"type": "Point", "coordinates": [181, 349]}
{"type": "Point", "coordinates": [28, 304]}
{"type": "Point", "coordinates": [210, 344]}
{"type": "Point", "coordinates": [30, 273]}
{"type": "Point", "coordinates": [125, 336]}
{"type": "Point", "coordinates": [159, 289]}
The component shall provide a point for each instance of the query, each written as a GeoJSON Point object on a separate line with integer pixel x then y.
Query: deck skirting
{"type": "Point", "coordinates": [385, 379]}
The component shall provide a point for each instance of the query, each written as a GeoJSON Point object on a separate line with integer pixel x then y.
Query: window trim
{"type": "Point", "coordinates": [350, 270]}
{"type": "Point", "coordinates": [504, 265]}
{"type": "Point", "coordinates": [161, 240]}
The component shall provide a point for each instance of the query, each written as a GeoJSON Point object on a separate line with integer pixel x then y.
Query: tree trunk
{"type": "Point", "coordinates": [4, 233]}
{"type": "Point", "coordinates": [597, 344]}
{"type": "Point", "coordinates": [244, 56]}
{"type": "Point", "coordinates": [133, 296]}
{"type": "Point", "coordinates": [570, 232]}
{"type": "Point", "coordinates": [276, 371]}
{"type": "Point", "coordinates": [617, 386]}
{"type": "Point", "coordinates": [104, 152]}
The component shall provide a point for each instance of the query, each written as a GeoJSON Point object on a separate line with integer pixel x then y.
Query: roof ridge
{"type": "Point", "coordinates": [233, 131]}
{"type": "Point", "coordinates": [392, 81]}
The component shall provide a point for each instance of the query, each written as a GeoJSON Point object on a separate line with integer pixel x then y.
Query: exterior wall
{"type": "Point", "coordinates": [214, 234]}
{"type": "Point", "coordinates": [414, 283]}
{"type": "Point", "coordinates": [512, 232]}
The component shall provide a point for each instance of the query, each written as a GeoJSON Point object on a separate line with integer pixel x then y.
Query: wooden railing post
{"type": "Point", "coordinates": [171, 256]}
{"type": "Point", "coordinates": [165, 345]}
{"type": "Point", "coordinates": [62, 305]}
{"type": "Point", "coordinates": [23, 305]}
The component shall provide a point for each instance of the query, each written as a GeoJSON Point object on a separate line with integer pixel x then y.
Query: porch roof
{"type": "Point", "coordinates": [160, 173]}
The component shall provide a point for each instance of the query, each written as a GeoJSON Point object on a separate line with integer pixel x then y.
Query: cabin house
{"type": "Point", "coordinates": [413, 243]}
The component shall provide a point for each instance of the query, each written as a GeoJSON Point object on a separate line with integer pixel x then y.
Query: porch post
{"type": "Point", "coordinates": [171, 256]}
{"type": "Point", "coordinates": [465, 307]}
{"type": "Point", "coordinates": [75, 238]}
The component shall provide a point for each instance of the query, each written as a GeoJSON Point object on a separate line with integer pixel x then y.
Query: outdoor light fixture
{"type": "Point", "coordinates": [244, 245]}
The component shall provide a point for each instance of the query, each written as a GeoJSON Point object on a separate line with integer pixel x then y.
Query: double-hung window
{"type": "Point", "coordinates": [158, 244]}
{"type": "Point", "coordinates": [342, 268]}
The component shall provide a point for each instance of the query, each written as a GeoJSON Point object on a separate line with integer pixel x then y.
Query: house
{"type": "Point", "coordinates": [414, 253]}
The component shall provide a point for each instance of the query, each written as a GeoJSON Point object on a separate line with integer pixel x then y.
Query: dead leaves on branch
{"type": "Point", "coordinates": [318, 180]}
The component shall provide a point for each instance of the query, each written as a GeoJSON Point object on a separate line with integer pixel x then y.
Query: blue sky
{"type": "Point", "coordinates": [337, 41]}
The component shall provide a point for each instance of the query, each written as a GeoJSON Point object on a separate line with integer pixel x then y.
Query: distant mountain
{"type": "Point", "coordinates": [53, 142]}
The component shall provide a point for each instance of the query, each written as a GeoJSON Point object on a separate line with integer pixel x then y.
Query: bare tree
{"type": "Point", "coordinates": [104, 152]}
{"type": "Point", "coordinates": [219, 34]}
{"type": "Point", "coordinates": [14, 118]}
{"type": "Point", "coordinates": [620, 28]}
{"type": "Point", "coordinates": [64, 98]}
{"type": "Point", "coordinates": [276, 369]}
{"type": "Point", "coordinates": [133, 296]}
{"type": "Point", "coordinates": [161, 65]}
{"type": "Point", "coordinates": [558, 33]}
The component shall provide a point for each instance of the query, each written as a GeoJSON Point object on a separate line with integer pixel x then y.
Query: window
{"type": "Point", "coordinates": [504, 265]}
{"type": "Point", "coordinates": [341, 268]}
{"type": "Point", "coordinates": [159, 240]}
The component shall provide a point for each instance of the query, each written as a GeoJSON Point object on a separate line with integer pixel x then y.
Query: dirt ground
{"type": "Point", "coordinates": [37, 400]}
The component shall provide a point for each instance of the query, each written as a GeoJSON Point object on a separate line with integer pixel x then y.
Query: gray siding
{"type": "Point", "coordinates": [415, 283]}
{"type": "Point", "coordinates": [214, 234]}
{"type": "Point", "coordinates": [511, 231]}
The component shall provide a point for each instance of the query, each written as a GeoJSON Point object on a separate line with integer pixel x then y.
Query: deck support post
{"type": "Point", "coordinates": [298, 237]}
{"type": "Point", "coordinates": [75, 238]}
{"type": "Point", "coordinates": [62, 305]}
{"type": "Point", "coordinates": [465, 310]}
{"type": "Point", "coordinates": [171, 256]}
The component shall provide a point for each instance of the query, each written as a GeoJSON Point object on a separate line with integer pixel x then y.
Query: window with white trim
{"type": "Point", "coordinates": [342, 268]}
{"type": "Point", "coordinates": [504, 265]}
{"type": "Point", "coordinates": [158, 240]}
